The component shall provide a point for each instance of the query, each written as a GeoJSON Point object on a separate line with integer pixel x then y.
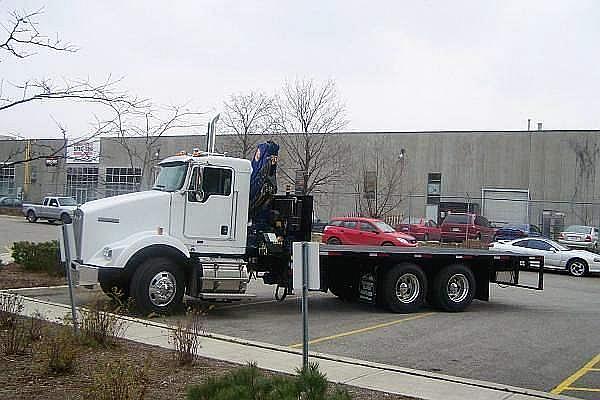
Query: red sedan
{"type": "Point", "coordinates": [421, 229]}
{"type": "Point", "coordinates": [365, 231]}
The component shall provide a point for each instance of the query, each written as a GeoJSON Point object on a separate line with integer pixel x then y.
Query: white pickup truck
{"type": "Point", "coordinates": [53, 208]}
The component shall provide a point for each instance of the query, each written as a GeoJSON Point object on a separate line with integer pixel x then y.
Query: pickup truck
{"type": "Point", "coordinates": [52, 209]}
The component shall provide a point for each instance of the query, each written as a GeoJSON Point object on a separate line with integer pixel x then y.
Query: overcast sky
{"type": "Point", "coordinates": [398, 65]}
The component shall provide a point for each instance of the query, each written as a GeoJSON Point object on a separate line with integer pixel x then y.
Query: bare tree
{"type": "Point", "coordinates": [244, 117]}
{"type": "Point", "coordinates": [308, 115]}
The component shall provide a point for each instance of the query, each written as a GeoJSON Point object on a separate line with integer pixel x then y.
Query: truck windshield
{"type": "Point", "coordinates": [171, 176]}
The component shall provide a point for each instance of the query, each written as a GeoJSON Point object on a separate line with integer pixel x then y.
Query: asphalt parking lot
{"type": "Point", "coordinates": [545, 340]}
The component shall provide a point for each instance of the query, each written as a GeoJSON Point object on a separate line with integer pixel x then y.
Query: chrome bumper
{"type": "Point", "coordinates": [84, 275]}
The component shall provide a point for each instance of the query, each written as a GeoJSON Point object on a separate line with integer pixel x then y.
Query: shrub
{"type": "Point", "coordinates": [99, 325]}
{"type": "Point", "coordinates": [119, 381]}
{"type": "Point", "coordinates": [10, 306]}
{"type": "Point", "coordinates": [186, 337]}
{"type": "Point", "coordinates": [15, 340]}
{"type": "Point", "coordinates": [61, 352]}
{"type": "Point", "coordinates": [42, 256]}
{"type": "Point", "coordinates": [248, 383]}
{"type": "Point", "coordinates": [36, 326]}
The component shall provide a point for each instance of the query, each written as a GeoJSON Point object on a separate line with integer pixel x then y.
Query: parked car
{"type": "Point", "coordinates": [420, 229]}
{"type": "Point", "coordinates": [456, 228]}
{"type": "Point", "coordinates": [579, 236]}
{"type": "Point", "coordinates": [10, 202]}
{"type": "Point", "coordinates": [52, 209]}
{"type": "Point", "coordinates": [516, 231]}
{"type": "Point", "coordinates": [556, 256]}
{"type": "Point", "coordinates": [365, 231]}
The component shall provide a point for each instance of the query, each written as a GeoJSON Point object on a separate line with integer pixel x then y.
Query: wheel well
{"type": "Point", "coordinates": [572, 260]}
{"type": "Point", "coordinates": [157, 250]}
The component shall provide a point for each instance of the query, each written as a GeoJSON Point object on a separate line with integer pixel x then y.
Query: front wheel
{"type": "Point", "coordinates": [31, 217]}
{"type": "Point", "coordinates": [334, 240]}
{"type": "Point", "coordinates": [403, 288]}
{"type": "Point", "coordinates": [454, 288]}
{"type": "Point", "coordinates": [157, 286]}
{"type": "Point", "coordinates": [577, 267]}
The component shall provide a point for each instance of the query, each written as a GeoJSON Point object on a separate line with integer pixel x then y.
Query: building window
{"type": "Point", "coordinates": [434, 187]}
{"type": "Point", "coordinates": [7, 180]}
{"type": "Point", "coordinates": [122, 180]}
{"type": "Point", "coordinates": [82, 183]}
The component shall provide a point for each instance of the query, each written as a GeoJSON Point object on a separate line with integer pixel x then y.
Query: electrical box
{"type": "Point", "coordinates": [314, 270]}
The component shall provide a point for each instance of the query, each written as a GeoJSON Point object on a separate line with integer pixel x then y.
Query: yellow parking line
{"type": "Point", "coordinates": [571, 379]}
{"type": "Point", "coordinates": [581, 389]}
{"type": "Point", "coordinates": [362, 330]}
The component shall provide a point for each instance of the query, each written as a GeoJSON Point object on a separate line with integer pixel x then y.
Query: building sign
{"type": "Point", "coordinates": [51, 162]}
{"type": "Point", "coordinates": [83, 152]}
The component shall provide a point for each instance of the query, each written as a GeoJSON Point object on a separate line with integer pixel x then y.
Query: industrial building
{"type": "Point", "coordinates": [508, 176]}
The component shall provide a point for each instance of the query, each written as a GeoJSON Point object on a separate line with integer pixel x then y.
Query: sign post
{"type": "Point", "coordinates": [67, 256]}
{"type": "Point", "coordinates": [305, 305]}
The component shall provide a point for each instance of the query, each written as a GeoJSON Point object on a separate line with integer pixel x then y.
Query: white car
{"type": "Point", "coordinates": [556, 256]}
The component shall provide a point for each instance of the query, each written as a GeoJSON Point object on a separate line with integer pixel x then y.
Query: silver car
{"type": "Point", "coordinates": [580, 236]}
{"type": "Point", "coordinates": [556, 256]}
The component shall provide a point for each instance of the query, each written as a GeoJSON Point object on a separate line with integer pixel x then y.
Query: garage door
{"type": "Point", "coordinates": [505, 206]}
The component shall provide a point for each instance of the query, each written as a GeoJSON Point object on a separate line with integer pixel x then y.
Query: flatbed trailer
{"type": "Point", "coordinates": [403, 279]}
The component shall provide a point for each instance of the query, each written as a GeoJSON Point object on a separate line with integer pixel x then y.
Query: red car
{"type": "Point", "coordinates": [420, 228]}
{"type": "Point", "coordinates": [365, 231]}
{"type": "Point", "coordinates": [456, 227]}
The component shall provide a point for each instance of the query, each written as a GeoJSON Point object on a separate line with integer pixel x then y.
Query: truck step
{"type": "Point", "coordinates": [225, 296]}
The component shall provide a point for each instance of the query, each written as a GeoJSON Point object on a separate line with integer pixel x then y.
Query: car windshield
{"type": "Point", "coordinates": [171, 176]}
{"type": "Point", "coordinates": [383, 227]}
{"type": "Point", "coordinates": [67, 201]}
{"type": "Point", "coordinates": [456, 219]}
{"type": "Point", "coordinates": [579, 229]}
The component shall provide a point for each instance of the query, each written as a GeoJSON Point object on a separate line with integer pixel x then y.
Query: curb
{"type": "Point", "coordinates": [477, 384]}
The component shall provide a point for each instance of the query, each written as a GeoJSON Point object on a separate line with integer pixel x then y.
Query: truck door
{"type": "Point", "coordinates": [53, 211]}
{"type": "Point", "coordinates": [209, 210]}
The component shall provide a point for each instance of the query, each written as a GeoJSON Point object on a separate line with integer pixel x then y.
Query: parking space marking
{"type": "Point", "coordinates": [363, 330]}
{"type": "Point", "coordinates": [566, 384]}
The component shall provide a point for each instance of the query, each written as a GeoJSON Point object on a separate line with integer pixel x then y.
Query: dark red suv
{"type": "Point", "coordinates": [457, 227]}
{"type": "Point", "coordinates": [365, 231]}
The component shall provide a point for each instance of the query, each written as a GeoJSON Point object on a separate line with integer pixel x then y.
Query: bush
{"type": "Point", "coordinates": [10, 306]}
{"type": "Point", "coordinates": [186, 338]}
{"type": "Point", "coordinates": [42, 256]}
{"type": "Point", "coordinates": [61, 352]}
{"type": "Point", "coordinates": [119, 382]}
{"type": "Point", "coordinates": [249, 383]}
{"type": "Point", "coordinates": [15, 340]}
{"type": "Point", "coordinates": [99, 325]}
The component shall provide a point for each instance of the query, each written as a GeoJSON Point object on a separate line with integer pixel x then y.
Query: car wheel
{"type": "Point", "coordinates": [31, 217]}
{"type": "Point", "coordinates": [453, 288]}
{"type": "Point", "coordinates": [426, 237]}
{"type": "Point", "coordinates": [387, 244]}
{"type": "Point", "coordinates": [334, 240]}
{"type": "Point", "coordinates": [157, 286]}
{"type": "Point", "coordinates": [404, 288]}
{"type": "Point", "coordinates": [577, 267]}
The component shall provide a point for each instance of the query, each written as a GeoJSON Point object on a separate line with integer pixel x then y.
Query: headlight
{"type": "Point", "coordinates": [402, 240]}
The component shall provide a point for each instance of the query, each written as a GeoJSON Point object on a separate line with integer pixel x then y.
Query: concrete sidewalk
{"type": "Point", "coordinates": [364, 374]}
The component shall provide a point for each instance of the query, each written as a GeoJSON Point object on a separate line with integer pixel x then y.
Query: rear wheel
{"type": "Point", "coordinates": [404, 288]}
{"type": "Point", "coordinates": [453, 288]}
{"type": "Point", "coordinates": [334, 240]}
{"type": "Point", "coordinates": [157, 286]}
{"type": "Point", "coordinates": [31, 217]}
{"type": "Point", "coordinates": [577, 267]}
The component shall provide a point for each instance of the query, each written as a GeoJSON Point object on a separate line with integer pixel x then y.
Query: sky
{"type": "Point", "coordinates": [398, 65]}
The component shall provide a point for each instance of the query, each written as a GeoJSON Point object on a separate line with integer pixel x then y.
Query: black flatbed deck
{"type": "Point", "coordinates": [326, 249]}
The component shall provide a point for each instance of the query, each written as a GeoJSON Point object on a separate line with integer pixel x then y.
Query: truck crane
{"type": "Point", "coordinates": [210, 222]}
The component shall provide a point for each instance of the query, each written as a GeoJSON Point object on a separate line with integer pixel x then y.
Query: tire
{"type": "Point", "coordinates": [31, 217]}
{"type": "Point", "coordinates": [577, 267]}
{"type": "Point", "coordinates": [453, 288]}
{"type": "Point", "coordinates": [64, 217]}
{"type": "Point", "coordinates": [157, 286]}
{"type": "Point", "coordinates": [334, 240]}
{"type": "Point", "coordinates": [404, 288]}
{"type": "Point", "coordinates": [345, 291]}
{"type": "Point", "coordinates": [387, 244]}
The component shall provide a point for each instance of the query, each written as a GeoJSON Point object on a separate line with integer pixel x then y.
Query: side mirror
{"type": "Point", "coordinates": [199, 195]}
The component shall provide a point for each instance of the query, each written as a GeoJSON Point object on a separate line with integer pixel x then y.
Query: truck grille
{"type": "Point", "coordinates": [77, 231]}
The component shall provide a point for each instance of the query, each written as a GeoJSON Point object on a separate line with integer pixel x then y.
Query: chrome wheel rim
{"type": "Point", "coordinates": [457, 288]}
{"type": "Point", "coordinates": [162, 289]}
{"type": "Point", "coordinates": [577, 268]}
{"type": "Point", "coordinates": [407, 288]}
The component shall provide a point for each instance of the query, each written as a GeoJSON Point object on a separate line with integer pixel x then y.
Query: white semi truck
{"type": "Point", "coordinates": [211, 222]}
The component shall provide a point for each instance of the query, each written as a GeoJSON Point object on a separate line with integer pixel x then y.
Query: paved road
{"type": "Point", "coordinates": [15, 229]}
{"type": "Point", "coordinates": [522, 337]}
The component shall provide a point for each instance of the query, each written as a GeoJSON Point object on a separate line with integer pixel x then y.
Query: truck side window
{"type": "Point", "coordinates": [216, 181]}
{"type": "Point", "coordinates": [46, 202]}
{"type": "Point", "coordinates": [53, 203]}
{"type": "Point", "coordinates": [193, 194]}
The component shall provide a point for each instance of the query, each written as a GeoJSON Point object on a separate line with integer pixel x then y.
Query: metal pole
{"type": "Point", "coordinates": [305, 305]}
{"type": "Point", "coordinates": [68, 268]}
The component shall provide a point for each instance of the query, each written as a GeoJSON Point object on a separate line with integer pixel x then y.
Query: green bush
{"type": "Point", "coordinates": [249, 383]}
{"type": "Point", "coordinates": [42, 256]}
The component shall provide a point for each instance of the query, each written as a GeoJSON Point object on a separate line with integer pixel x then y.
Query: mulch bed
{"type": "Point", "coordinates": [13, 276]}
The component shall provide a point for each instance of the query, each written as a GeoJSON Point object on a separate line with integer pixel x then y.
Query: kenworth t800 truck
{"type": "Point", "coordinates": [211, 222]}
